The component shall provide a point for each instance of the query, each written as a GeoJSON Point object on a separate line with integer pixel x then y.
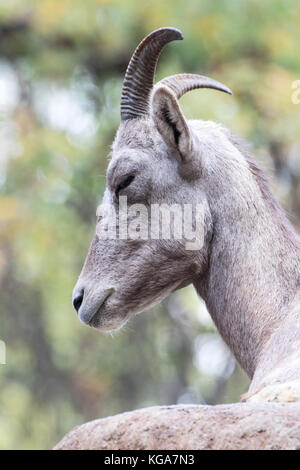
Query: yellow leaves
{"type": "Point", "coordinates": [67, 15]}
{"type": "Point", "coordinates": [152, 17]}
{"type": "Point", "coordinates": [207, 26]}
{"type": "Point", "coordinates": [45, 140]}
{"type": "Point", "coordinates": [241, 75]}
{"type": "Point", "coordinates": [9, 9]}
{"type": "Point", "coordinates": [10, 212]}
{"type": "Point", "coordinates": [274, 93]}
{"type": "Point", "coordinates": [263, 93]}
{"type": "Point", "coordinates": [2, 263]}
{"type": "Point", "coordinates": [268, 85]}
{"type": "Point", "coordinates": [279, 41]}
{"type": "Point", "coordinates": [101, 2]}
{"type": "Point", "coordinates": [49, 12]}
{"type": "Point", "coordinates": [9, 208]}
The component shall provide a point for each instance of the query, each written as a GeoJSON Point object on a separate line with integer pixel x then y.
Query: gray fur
{"type": "Point", "coordinates": [248, 270]}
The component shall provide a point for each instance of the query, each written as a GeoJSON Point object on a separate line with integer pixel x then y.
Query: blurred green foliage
{"type": "Point", "coordinates": [61, 69]}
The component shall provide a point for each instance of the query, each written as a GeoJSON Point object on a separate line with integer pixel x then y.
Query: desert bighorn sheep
{"type": "Point", "coordinates": [248, 269]}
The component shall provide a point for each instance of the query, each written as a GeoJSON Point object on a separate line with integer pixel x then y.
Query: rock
{"type": "Point", "coordinates": [237, 426]}
{"type": "Point", "coordinates": [286, 392]}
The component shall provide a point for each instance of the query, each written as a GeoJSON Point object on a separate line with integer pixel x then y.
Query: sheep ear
{"type": "Point", "coordinates": [170, 121]}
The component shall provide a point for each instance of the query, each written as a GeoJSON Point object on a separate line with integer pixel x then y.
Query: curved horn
{"type": "Point", "coordinates": [184, 82]}
{"type": "Point", "coordinates": [138, 81]}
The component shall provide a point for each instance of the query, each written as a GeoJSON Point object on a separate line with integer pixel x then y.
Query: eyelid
{"type": "Point", "coordinates": [124, 183]}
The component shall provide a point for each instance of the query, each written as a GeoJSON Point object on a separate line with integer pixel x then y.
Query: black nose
{"type": "Point", "coordinates": [78, 298]}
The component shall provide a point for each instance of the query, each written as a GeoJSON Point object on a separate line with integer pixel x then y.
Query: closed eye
{"type": "Point", "coordinates": [126, 182]}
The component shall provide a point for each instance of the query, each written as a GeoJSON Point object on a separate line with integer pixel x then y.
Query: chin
{"type": "Point", "coordinates": [107, 325]}
{"type": "Point", "coordinates": [108, 319]}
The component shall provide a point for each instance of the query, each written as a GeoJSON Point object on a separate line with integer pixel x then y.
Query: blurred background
{"type": "Point", "coordinates": [61, 68]}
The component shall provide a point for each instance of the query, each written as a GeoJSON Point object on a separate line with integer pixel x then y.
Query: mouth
{"type": "Point", "coordinates": [95, 320]}
{"type": "Point", "coordinates": [90, 315]}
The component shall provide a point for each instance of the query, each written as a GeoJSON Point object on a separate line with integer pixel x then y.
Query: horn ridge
{"type": "Point", "coordinates": [184, 82]}
{"type": "Point", "coordinates": [139, 76]}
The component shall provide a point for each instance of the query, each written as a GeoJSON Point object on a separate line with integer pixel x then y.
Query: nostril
{"type": "Point", "coordinates": [77, 301]}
